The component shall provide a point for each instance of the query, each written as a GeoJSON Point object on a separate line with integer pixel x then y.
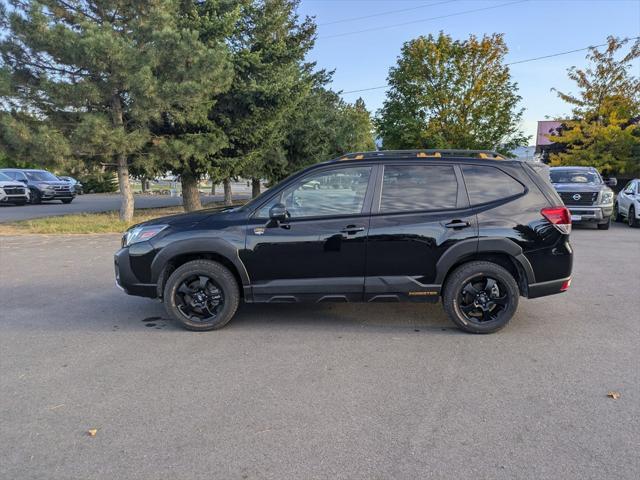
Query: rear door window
{"type": "Point", "coordinates": [489, 184]}
{"type": "Point", "coordinates": [407, 188]}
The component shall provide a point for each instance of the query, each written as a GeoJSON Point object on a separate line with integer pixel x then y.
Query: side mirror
{"type": "Point", "coordinates": [278, 213]}
{"type": "Point", "coordinates": [611, 182]}
{"type": "Point", "coordinates": [24, 180]}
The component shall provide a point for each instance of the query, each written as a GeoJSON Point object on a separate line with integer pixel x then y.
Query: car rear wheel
{"type": "Point", "coordinates": [631, 217]}
{"type": "Point", "coordinates": [480, 297]}
{"type": "Point", "coordinates": [201, 295]}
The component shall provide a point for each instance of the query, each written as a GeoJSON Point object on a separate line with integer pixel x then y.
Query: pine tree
{"type": "Point", "coordinates": [268, 50]}
{"type": "Point", "coordinates": [99, 74]}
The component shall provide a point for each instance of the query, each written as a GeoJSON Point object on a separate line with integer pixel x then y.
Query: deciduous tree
{"type": "Point", "coordinates": [604, 131]}
{"type": "Point", "coordinates": [446, 93]}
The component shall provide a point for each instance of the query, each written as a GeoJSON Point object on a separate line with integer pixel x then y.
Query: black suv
{"type": "Point", "coordinates": [43, 185]}
{"type": "Point", "coordinates": [471, 228]}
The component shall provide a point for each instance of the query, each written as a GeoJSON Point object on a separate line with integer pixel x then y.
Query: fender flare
{"type": "Point", "coordinates": [214, 245]}
{"type": "Point", "coordinates": [471, 247]}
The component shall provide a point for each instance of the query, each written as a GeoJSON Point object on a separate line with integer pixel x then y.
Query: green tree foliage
{"type": "Point", "coordinates": [186, 139]}
{"type": "Point", "coordinates": [268, 47]}
{"type": "Point", "coordinates": [605, 129]}
{"type": "Point", "coordinates": [322, 127]}
{"type": "Point", "coordinates": [451, 94]}
{"type": "Point", "coordinates": [93, 76]}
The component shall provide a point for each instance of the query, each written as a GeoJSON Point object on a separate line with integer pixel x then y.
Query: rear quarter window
{"type": "Point", "coordinates": [489, 184]}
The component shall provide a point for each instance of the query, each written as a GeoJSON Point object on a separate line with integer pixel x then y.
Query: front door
{"type": "Point", "coordinates": [420, 212]}
{"type": "Point", "coordinates": [318, 253]}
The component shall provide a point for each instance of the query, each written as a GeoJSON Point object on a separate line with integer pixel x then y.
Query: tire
{"type": "Point", "coordinates": [36, 198]}
{"type": "Point", "coordinates": [616, 217]}
{"type": "Point", "coordinates": [632, 221]}
{"type": "Point", "coordinates": [456, 295]}
{"type": "Point", "coordinates": [186, 280]}
{"type": "Point", "coordinates": [67, 200]}
{"type": "Point", "coordinates": [605, 226]}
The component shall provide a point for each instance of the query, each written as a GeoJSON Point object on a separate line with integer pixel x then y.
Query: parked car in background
{"type": "Point", "coordinates": [585, 193]}
{"type": "Point", "coordinates": [627, 205]}
{"type": "Point", "coordinates": [43, 185]}
{"type": "Point", "coordinates": [470, 228]}
{"type": "Point", "coordinates": [77, 186]}
{"type": "Point", "coordinates": [12, 191]}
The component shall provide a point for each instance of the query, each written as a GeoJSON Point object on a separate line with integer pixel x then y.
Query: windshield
{"type": "Point", "coordinates": [5, 178]}
{"type": "Point", "coordinates": [41, 176]}
{"type": "Point", "coordinates": [575, 176]}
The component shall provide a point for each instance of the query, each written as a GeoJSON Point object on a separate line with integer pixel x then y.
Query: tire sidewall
{"type": "Point", "coordinates": [222, 277]}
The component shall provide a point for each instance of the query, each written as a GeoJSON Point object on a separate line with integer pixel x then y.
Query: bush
{"type": "Point", "coordinates": [99, 183]}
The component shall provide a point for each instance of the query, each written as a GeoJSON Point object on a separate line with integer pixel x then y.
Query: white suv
{"type": "Point", "coordinates": [12, 191]}
{"type": "Point", "coordinates": [628, 204]}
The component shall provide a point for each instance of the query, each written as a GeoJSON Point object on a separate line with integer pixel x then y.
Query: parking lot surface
{"type": "Point", "coordinates": [385, 391]}
{"type": "Point", "coordinates": [99, 202]}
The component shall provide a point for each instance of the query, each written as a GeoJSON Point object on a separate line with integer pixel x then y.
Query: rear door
{"type": "Point", "coordinates": [626, 197]}
{"type": "Point", "coordinates": [419, 211]}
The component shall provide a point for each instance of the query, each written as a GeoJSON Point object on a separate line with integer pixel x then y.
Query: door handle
{"type": "Point", "coordinates": [457, 224]}
{"type": "Point", "coordinates": [351, 229]}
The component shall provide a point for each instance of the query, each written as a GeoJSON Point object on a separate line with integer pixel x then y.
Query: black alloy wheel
{"type": "Point", "coordinates": [201, 295]}
{"type": "Point", "coordinates": [483, 299]}
{"type": "Point", "coordinates": [480, 296]}
{"type": "Point", "coordinates": [199, 298]}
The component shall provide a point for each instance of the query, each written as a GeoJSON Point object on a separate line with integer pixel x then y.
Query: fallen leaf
{"type": "Point", "coordinates": [614, 395]}
{"type": "Point", "coordinates": [92, 432]}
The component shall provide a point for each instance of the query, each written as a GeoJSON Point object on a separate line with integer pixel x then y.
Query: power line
{"type": "Point", "coordinates": [512, 63]}
{"type": "Point", "coordinates": [384, 27]}
{"type": "Point", "coordinates": [388, 12]}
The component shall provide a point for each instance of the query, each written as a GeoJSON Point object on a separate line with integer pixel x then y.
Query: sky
{"type": "Point", "coordinates": [532, 28]}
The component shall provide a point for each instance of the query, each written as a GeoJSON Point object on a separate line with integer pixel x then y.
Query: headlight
{"type": "Point", "coordinates": [140, 234]}
{"type": "Point", "coordinates": [607, 197]}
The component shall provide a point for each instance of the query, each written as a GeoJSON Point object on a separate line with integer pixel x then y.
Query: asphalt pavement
{"type": "Point", "coordinates": [334, 391]}
{"type": "Point", "coordinates": [99, 202]}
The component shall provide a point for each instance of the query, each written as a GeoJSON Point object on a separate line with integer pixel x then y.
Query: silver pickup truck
{"type": "Point", "coordinates": [585, 193]}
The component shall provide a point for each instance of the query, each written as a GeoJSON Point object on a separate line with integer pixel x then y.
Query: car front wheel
{"type": "Point", "coordinates": [605, 226]}
{"type": "Point", "coordinates": [616, 217]}
{"type": "Point", "coordinates": [631, 217]}
{"type": "Point", "coordinates": [201, 295]}
{"type": "Point", "coordinates": [480, 297]}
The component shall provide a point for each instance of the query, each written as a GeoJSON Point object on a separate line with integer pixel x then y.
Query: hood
{"type": "Point", "coordinates": [191, 218]}
{"type": "Point", "coordinates": [579, 187]}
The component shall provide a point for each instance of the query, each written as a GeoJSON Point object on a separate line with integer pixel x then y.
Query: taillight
{"type": "Point", "coordinates": [565, 285]}
{"type": "Point", "coordinates": [559, 217]}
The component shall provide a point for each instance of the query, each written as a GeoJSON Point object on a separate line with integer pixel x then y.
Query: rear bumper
{"type": "Point", "coordinates": [126, 279]}
{"type": "Point", "coordinates": [542, 289]}
{"type": "Point", "coordinates": [595, 213]}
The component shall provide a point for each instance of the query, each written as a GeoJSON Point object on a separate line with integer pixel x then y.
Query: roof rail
{"type": "Point", "coordinates": [424, 153]}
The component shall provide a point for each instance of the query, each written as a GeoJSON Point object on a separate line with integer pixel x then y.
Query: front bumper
{"type": "Point", "coordinates": [127, 280]}
{"type": "Point", "coordinates": [20, 199]}
{"type": "Point", "coordinates": [594, 213]}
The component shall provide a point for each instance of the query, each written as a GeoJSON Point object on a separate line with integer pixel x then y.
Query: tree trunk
{"type": "Point", "coordinates": [228, 200]}
{"type": "Point", "coordinates": [127, 205]}
{"type": "Point", "coordinates": [190, 192]}
{"type": "Point", "coordinates": [143, 184]}
{"type": "Point", "coordinates": [213, 187]}
{"type": "Point", "coordinates": [255, 187]}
